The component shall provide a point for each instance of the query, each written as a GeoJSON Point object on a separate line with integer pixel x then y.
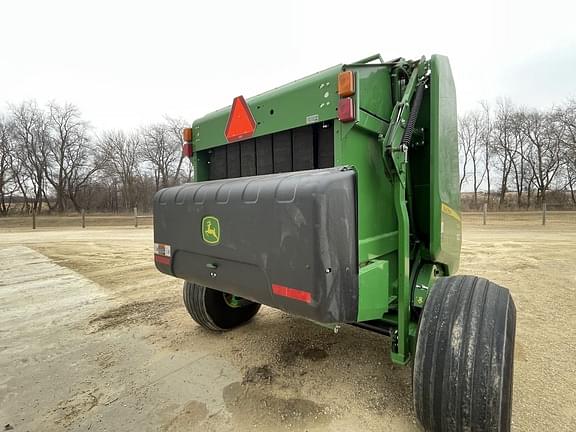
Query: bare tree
{"type": "Point", "coordinates": [80, 174]}
{"type": "Point", "coordinates": [471, 135]}
{"type": "Point", "coordinates": [120, 157]}
{"type": "Point", "coordinates": [31, 137]}
{"type": "Point", "coordinates": [571, 175]}
{"type": "Point", "coordinates": [157, 152]}
{"type": "Point", "coordinates": [162, 152]}
{"type": "Point", "coordinates": [67, 167]}
{"type": "Point", "coordinates": [7, 184]}
{"type": "Point", "coordinates": [566, 115]}
{"type": "Point", "coordinates": [487, 140]}
{"type": "Point", "coordinates": [543, 155]}
{"type": "Point", "coordinates": [521, 172]}
{"type": "Point", "coordinates": [504, 144]}
{"type": "Point", "coordinates": [464, 144]}
{"type": "Point", "coordinates": [175, 126]}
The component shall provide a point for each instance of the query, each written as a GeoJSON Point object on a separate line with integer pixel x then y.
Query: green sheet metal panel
{"type": "Point", "coordinates": [373, 93]}
{"type": "Point", "coordinates": [377, 227]}
{"type": "Point", "coordinates": [373, 290]}
{"type": "Point", "coordinates": [445, 220]}
{"type": "Point", "coordinates": [309, 100]}
{"type": "Point", "coordinates": [376, 220]}
{"type": "Point", "coordinates": [357, 145]}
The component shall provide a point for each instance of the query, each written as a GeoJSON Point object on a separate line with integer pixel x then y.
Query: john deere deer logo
{"type": "Point", "coordinates": [210, 230]}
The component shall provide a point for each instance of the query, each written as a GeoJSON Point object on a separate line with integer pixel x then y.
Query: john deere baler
{"type": "Point", "coordinates": [336, 198]}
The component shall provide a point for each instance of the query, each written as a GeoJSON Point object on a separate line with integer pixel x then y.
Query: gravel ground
{"type": "Point", "coordinates": [92, 337]}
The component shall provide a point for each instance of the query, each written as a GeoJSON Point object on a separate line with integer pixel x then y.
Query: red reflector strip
{"type": "Point", "coordinates": [292, 293]}
{"type": "Point", "coordinates": [162, 259]}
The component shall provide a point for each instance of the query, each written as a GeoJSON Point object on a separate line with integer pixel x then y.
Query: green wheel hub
{"type": "Point", "coordinates": [233, 301]}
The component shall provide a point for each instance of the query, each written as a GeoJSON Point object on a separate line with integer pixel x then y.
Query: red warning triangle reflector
{"type": "Point", "coordinates": [241, 124]}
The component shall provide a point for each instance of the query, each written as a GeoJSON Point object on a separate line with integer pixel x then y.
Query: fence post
{"type": "Point", "coordinates": [33, 219]}
{"type": "Point", "coordinates": [135, 217]}
{"type": "Point", "coordinates": [544, 214]}
{"type": "Point", "coordinates": [484, 211]}
{"type": "Point", "coordinates": [83, 218]}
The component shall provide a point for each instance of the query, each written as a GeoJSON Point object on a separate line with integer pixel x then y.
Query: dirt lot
{"type": "Point", "coordinates": [92, 337]}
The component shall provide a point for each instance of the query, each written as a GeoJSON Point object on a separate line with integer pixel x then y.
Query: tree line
{"type": "Point", "coordinates": [52, 160]}
{"type": "Point", "coordinates": [516, 157]}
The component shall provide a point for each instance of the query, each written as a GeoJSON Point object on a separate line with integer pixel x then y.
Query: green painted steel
{"type": "Point", "coordinates": [306, 101]}
{"type": "Point", "coordinates": [373, 298]}
{"type": "Point", "coordinates": [409, 227]}
{"type": "Point", "coordinates": [395, 152]}
{"type": "Point", "coordinates": [445, 203]}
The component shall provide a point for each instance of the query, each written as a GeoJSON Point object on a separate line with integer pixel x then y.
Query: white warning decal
{"type": "Point", "coordinates": [312, 118]}
{"type": "Point", "coordinates": [162, 249]}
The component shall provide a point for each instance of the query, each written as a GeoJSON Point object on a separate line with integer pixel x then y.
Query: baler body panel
{"type": "Point", "coordinates": [306, 101]}
{"type": "Point", "coordinates": [264, 237]}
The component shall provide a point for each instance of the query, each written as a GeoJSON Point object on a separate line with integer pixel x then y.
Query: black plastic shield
{"type": "Point", "coordinates": [285, 240]}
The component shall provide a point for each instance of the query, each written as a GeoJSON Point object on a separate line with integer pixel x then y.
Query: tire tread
{"type": "Point", "coordinates": [206, 306]}
{"type": "Point", "coordinates": [463, 368]}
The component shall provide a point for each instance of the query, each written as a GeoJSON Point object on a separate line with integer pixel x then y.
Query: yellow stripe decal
{"type": "Point", "coordinates": [451, 212]}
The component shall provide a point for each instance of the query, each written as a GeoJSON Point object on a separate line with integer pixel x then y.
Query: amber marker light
{"type": "Point", "coordinates": [346, 84]}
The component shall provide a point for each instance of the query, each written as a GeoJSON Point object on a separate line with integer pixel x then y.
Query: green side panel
{"type": "Point", "coordinates": [373, 297]}
{"type": "Point", "coordinates": [357, 144]}
{"type": "Point", "coordinates": [200, 164]}
{"type": "Point", "coordinates": [445, 221]}
{"type": "Point", "coordinates": [308, 100]}
{"type": "Point", "coordinates": [373, 93]}
{"type": "Point", "coordinates": [377, 232]}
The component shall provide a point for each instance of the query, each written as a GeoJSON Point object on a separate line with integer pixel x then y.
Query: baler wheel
{"type": "Point", "coordinates": [463, 365]}
{"type": "Point", "coordinates": [215, 310]}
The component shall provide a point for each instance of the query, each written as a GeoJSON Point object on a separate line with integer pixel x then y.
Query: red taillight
{"type": "Point", "coordinates": [346, 110]}
{"type": "Point", "coordinates": [241, 123]}
{"type": "Point", "coordinates": [162, 259]}
{"type": "Point", "coordinates": [187, 149]}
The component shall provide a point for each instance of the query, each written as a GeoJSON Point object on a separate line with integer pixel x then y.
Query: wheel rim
{"type": "Point", "coordinates": [233, 301]}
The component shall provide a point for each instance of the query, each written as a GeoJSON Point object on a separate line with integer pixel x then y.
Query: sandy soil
{"type": "Point", "coordinates": [92, 337]}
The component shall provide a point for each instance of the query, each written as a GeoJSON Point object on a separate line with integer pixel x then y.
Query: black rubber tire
{"type": "Point", "coordinates": [463, 365]}
{"type": "Point", "coordinates": [208, 308]}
